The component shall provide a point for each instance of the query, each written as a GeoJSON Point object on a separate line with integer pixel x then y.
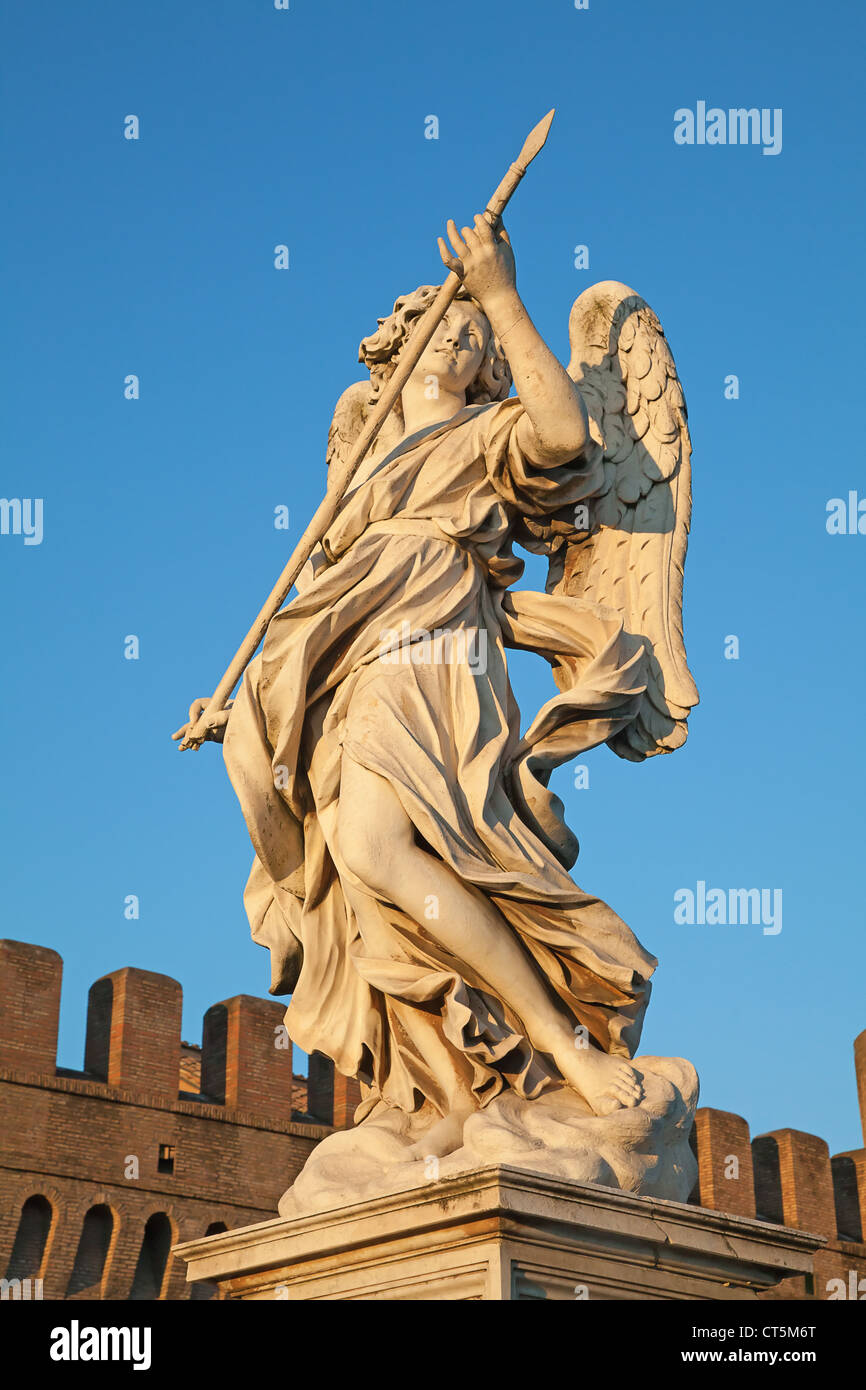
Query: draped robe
{"type": "Point", "coordinates": [393, 652]}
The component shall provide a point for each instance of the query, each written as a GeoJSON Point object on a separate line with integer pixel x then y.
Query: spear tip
{"type": "Point", "coordinates": [535, 140]}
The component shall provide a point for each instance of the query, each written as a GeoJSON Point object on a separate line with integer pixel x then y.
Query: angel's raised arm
{"type": "Point", "coordinates": [555, 427]}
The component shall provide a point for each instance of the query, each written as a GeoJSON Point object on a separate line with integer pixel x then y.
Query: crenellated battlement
{"type": "Point", "coordinates": [789, 1177]}
{"type": "Point", "coordinates": [157, 1141]}
{"type": "Point", "coordinates": [133, 1041]}
{"type": "Point", "coordinates": [30, 978]}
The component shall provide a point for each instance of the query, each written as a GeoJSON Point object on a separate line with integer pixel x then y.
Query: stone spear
{"type": "Point", "coordinates": [343, 474]}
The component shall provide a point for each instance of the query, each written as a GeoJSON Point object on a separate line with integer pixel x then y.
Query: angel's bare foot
{"type": "Point", "coordinates": [606, 1083]}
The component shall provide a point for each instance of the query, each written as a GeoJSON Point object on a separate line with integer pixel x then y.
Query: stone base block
{"type": "Point", "coordinates": [503, 1233]}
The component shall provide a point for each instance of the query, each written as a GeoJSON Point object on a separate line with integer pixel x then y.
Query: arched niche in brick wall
{"type": "Point", "coordinates": [150, 1271]}
{"type": "Point", "coordinates": [91, 1257]}
{"type": "Point", "coordinates": [28, 1257]}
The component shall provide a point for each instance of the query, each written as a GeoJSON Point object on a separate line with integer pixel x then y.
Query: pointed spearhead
{"type": "Point", "coordinates": [535, 140]}
{"type": "Point", "coordinates": [531, 145]}
{"type": "Point", "coordinates": [195, 731]}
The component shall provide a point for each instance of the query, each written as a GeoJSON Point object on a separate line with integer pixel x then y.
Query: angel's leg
{"type": "Point", "coordinates": [377, 845]}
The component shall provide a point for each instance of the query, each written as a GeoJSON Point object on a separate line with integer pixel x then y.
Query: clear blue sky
{"type": "Point", "coordinates": [155, 257]}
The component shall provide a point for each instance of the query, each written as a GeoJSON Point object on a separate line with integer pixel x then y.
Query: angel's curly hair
{"type": "Point", "coordinates": [380, 351]}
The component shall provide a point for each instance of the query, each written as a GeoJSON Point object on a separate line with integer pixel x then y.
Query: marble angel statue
{"type": "Point", "coordinates": [411, 875]}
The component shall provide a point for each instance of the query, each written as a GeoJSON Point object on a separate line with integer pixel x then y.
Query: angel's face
{"type": "Point", "coordinates": [456, 351]}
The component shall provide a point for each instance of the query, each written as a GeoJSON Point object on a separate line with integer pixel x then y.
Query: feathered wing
{"type": "Point", "coordinates": [631, 556]}
{"type": "Point", "coordinates": [350, 417]}
{"type": "Point", "coordinates": [350, 414]}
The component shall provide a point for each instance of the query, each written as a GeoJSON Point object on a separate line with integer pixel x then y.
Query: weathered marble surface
{"type": "Point", "coordinates": [642, 1149]}
{"type": "Point", "coordinates": [412, 865]}
{"type": "Point", "coordinates": [503, 1234]}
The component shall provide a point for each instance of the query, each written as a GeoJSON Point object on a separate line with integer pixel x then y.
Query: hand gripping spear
{"type": "Point", "coordinates": [342, 475]}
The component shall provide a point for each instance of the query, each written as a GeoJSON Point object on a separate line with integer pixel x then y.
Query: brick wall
{"type": "Point", "coordinates": [789, 1177]}
{"type": "Point", "coordinates": [155, 1141]}
{"type": "Point", "coordinates": [158, 1141]}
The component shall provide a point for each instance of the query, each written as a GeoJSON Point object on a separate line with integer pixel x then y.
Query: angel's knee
{"type": "Point", "coordinates": [358, 851]}
{"type": "Point", "coordinates": [373, 831]}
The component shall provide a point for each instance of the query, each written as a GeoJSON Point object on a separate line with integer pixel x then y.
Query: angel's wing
{"type": "Point", "coordinates": [350, 414]}
{"type": "Point", "coordinates": [631, 556]}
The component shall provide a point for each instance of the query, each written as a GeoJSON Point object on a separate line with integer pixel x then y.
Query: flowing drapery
{"type": "Point", "coordinates": [394, 652]}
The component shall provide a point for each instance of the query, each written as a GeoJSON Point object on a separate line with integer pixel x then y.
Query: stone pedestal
{"type": "Point", "coordinates": [503, 1233]}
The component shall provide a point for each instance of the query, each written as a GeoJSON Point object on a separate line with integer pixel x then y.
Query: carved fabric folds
{"type": "Point", "coordinates": [422, 543]}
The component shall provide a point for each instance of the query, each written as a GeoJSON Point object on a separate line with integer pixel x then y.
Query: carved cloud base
{"type": "Point", "coordinates": [644, 1150]}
